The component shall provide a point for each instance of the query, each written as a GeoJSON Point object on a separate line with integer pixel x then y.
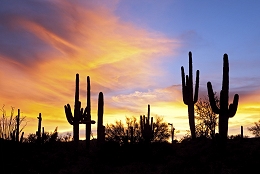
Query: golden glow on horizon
{"type": "Point", "coordinates": [96, 44]}
{"type": "Point", "coordinates": [115, 54]}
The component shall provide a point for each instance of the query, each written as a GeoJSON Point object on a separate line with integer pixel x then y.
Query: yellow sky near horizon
{"type": "Point", "coordinates": [121, 60]}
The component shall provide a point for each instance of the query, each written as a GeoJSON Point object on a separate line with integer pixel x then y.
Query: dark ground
{"type": "Point", "coordinates": [199, 156]}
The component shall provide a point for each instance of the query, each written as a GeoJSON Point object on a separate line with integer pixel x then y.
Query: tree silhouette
{"type": "Point", "coordinates": [11, 126]}
{"type": "Point", "coordinates": [161, 130]}
{"type": "Point", "coordinates": [206, 118]}
{"type": "Point", "coordinates": [255, 130]}
{"type": "Point", "coordinates": [48, 137]}
{"type": "Point", "coordinates": [115, 132]}
{"type": "Point", "coordinates": [121, 133]}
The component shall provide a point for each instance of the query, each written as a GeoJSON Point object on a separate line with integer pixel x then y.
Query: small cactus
{"type": "Point", "coordinates": [147, 127]}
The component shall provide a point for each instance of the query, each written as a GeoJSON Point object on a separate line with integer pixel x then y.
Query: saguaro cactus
{"type": "Point", "coordinates": [242, 132]}
{"type": "Point", "coordinates": [74, 120]}
{"type": "Point", "coordinates": [87, 115]}
{"type": "Point", "coordinates": [100, 128]}
{"type": "Point", "coordinates": [225, 111]}
{"type": "Point", "coordinates": [187, 93]}
{"type": "Point", "coordinates": [39, 128]}
{"type": "Point", "coordinates": [14, 135]}
{"type": "Point", "coordinates": [147, 128]}
{"type": "Point", "coordinates": [81, 116]}
{"type": "Point", "coordinates": [17, 126]}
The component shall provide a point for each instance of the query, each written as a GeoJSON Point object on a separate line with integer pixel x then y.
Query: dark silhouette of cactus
{"type": "Point", "coordinates": [225, 111]}
{"type": "Point", "coordinates": [17, 126]}
{"type": "Point", "coordinates": [172, 131]}
{"type": "Point", "coordinates": [242, 132]}
{"type": "Point", "coordinates": [81, 116]}
{"type": "Point", "coordinates": [39, 128]}
{"type": "Point", "coordinates": [43, 135]}
{"type": "Point", "coordinates": [187, 92]}
{"type": "Point", "coordinates": [147, 127]}
{"type": "Point", "coordinates": [74, 120]}
{"type": "Point", "coordinates": [14, 135]}
{"type": "Point", "coordinates": [100, 128]}
{"type": "Point", "coordinates": [87, 115]}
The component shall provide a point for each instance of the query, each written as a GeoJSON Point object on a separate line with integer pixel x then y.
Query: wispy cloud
{"type": "Point", "coordinates": [45, 43]}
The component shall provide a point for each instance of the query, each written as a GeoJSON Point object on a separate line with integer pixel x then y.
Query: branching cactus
{"type": "Point", "coordinates": [187, 93]}
{"type": "Point", "coordinates": [14, 135]}
{"type": "Point", "coordinates": [225, 110]}
{"type": "Point", "coordinates": [81, 116]}
{"type": "Point", "coordinates": [100, 128]}
{"type": "Point", "coordinates": [147, 127]}
{"type": "Point", "coordinates": [74, 120]}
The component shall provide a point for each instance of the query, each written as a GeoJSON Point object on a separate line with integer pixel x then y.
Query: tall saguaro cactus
{"type": "Point", "coordinates": [187, 93]}
{"type": "Point", "coordinates": [225, 110]}
{"type": "Point", "coordinates": [74, 120]}
{"type": "Point", "coordinates": [87, 115]}
{"type": "Point", "coordinates": [100, 128]}
{"type": "Point", "coordinates": [147, 128]}
{"type": "Point", "coordinates": [81, 116]}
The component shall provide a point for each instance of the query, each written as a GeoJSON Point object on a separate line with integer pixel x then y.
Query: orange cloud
{"type": "Point", "coordinates": [72, 38]}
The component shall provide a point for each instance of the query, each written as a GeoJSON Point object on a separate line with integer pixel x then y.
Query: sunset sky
{"type": "Point", "coordinates": [133, 52]}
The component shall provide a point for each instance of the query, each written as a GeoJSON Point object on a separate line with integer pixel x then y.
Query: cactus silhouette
{"type": "Point", "coordinates": [100, 128]}
{"type": "Point", "coordinates": [81, 116]}
{"type": "Point", "coordinates": [147, 128]}
{"type": "Point", "coordinates": [87, 115]}
{"type": "Point", "coordinates": [187, 93]}
{"type": "Point", "coordinates": [225, 111]}
{"type": "Point", "coordinates": [14, 135]}
{"type": "Point", "coordinates": [242, 132]}
{"type": "Point", "coordinates": [17, 127]}
{"type": "Point", "coordinates": [39, 128]}
{"type": "Point", "coordinates": [74, 120]}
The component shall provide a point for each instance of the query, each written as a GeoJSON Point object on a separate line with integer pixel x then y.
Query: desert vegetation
{"type": "Point", "coordinates": [141, 144]}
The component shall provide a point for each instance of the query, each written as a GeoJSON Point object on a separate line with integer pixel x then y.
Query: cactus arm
{"type": "Point", "coordinates": [68, 113]}
{"type": "Point", "coordinates": [233, 107]}
{"type": "Point", "coordinates": [184, 86]}
{"type": "Point", "coordinates": [196, 87]}
{"type": "Point", "coordinates": [212, 99]}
